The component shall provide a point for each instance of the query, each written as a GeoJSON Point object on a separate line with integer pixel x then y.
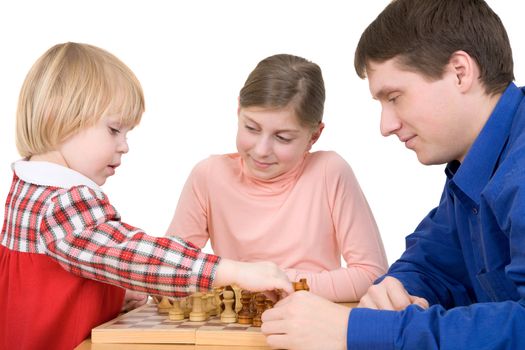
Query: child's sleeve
{"type": "Point", "coordinates": [83, 232]}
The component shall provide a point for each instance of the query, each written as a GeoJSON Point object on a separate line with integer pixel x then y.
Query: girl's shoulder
{"type": "Point", "coordinates": [218, 164]}
{"type": "Point", "coordinates": [329, 159]}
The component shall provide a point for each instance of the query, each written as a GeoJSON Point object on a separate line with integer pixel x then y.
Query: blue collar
{"type": "Point", "coordinates": [483, 157]}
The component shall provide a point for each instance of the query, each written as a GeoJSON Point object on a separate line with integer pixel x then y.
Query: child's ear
{"type": "Point", "coordinates": [465, 69]}
{"type": "Point", "coordinates": [316, 134]}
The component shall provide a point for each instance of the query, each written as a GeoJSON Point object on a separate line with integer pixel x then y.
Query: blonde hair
{"type": "Point", "coordinates": [70, 88]}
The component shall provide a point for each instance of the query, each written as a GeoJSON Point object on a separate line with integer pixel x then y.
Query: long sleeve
{"type": "Point", "coordinates": [84, 233]}
{"type": "Point", "coordinates": [479, 326]}
{"type": "Point", "coordinates": [462, 321]}
{"type": "Point", "coordinates": [357, 237]}
{"type": "Point", "coordinates": [433, 265]}
{"type": "Point", "coordinates": [190, 220]}
{"type": "Point", "coordinates": [471, 270]}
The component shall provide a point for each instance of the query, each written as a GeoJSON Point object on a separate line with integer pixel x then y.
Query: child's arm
{"type": "Point", "coordinates": [84, 233]}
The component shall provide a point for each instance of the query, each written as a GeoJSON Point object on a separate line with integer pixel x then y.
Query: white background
{"type": "Point", "coordinates": [192, 58]}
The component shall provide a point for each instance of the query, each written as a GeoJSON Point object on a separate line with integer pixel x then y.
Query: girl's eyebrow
{"type": "Point", "coordinates": [293, 131]}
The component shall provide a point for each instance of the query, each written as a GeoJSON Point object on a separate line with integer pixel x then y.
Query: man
{"type": "Point", "coordinates": [442, 71]}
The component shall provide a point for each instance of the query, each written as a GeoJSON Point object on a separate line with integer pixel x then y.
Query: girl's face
{"type": "Point", "coordinates": [272, 141]}
{"type": "Point", "coordinates": [96, 151]}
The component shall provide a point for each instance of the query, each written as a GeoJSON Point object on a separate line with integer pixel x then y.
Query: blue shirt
{"type": "Point", "coordinates": [467, 257]}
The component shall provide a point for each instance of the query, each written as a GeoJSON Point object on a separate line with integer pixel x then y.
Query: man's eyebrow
{"type": "Point", "coordinates": [383, 92]}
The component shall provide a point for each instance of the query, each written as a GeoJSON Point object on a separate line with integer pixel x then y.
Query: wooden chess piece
{"type": "Point", "coordinates": [217, 300]}
{"type": "Point", "coordinates": [237, 305]}
{"type": "Point", "coordinates": [228, 315]}
{"type": "Point", "coordinates": [164, 306]}
{"type": "Point", "coordinates": [185, 305]}
{"type": "Point", "coordinates": [260, 304]}
{"type": "Point", "coordinates": [176, 313]}
{"type": "Point", "coordinates": [245, 315]}
{"type": "Point", "coordinates": [269, 304]}
{"type": "Point", "coordinates": [197, 313]}
{"type": "Point", "coordinates": [210, 306]}
{"type": "Point", "coordinates": [301, 285]}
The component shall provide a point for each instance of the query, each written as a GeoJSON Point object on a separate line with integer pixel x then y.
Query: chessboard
{"type": "Point", "coordinates": [237, 320]}
{"type": "Point", "coordinates": [145, 325]}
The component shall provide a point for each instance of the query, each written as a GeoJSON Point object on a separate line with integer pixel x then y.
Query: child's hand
{"type": "Point", "coordinates": [133, 300]}
{"type": "Point", "coordinates": [256, 277]}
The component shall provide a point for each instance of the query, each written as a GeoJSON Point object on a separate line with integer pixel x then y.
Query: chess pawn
{"type": "Point", "coordinates": [185, 305]}
{"type": "Point", "coordinates": [228, 315]}
{"type": "Point", "coordinates": [217, 300]}
{"type": "Point", "coordinates": [197, 313]}
{"type": "Point", "coordinates": [245, 315]}
{"type": "Point", "coordinates": [260, 305]}
{"type": "Point", "coordinates": [176, 313]}
{"type": "Point", "coordinates": [164, 305]}
{"type": "Point", "coordinates": [211, 308]}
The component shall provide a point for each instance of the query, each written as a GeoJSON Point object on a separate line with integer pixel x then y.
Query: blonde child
{"type": "Point", "coordinates": [274, 199]}
{"type": "Point", "coordinates": [65, 254]}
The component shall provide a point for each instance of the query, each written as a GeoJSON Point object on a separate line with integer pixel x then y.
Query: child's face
{"type": "Point", "coordinates": [96, 151]}
{"type": "Point", "coordinates": [271, 142]}
{"type": "Point", "coordinates": [429, 117]}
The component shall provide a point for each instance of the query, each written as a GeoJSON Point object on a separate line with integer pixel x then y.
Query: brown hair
{"type": "Point", "coordinates": [70, 87]}
{"type": "Point", "coordinates": [285, 80]}
{"type": "Point", "coordinates": [423, 34]}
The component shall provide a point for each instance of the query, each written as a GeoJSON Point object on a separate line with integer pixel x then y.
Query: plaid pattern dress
{"type": "Point", "coordinates": [65, 253]}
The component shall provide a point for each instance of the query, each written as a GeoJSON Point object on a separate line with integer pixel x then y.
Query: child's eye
{"type": "Point", "coordinates": [250, 128]}
{"type": "Point", "coordinates": [114, 131]}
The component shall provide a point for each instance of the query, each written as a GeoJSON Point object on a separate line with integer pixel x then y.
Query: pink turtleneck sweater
{"type": "Point", "coordinates": [304, 221]}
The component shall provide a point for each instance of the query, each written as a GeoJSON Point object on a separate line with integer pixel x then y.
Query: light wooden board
{"type": "Point", "coordinates": [145, 325]}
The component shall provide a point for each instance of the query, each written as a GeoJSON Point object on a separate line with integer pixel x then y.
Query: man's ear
{"type": "Point", "coordinates": [316, 134]}
{"type": "Point", "coordinates": [465, 68]}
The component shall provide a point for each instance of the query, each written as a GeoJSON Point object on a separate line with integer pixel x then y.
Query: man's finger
{"type": "Point", "coordinates": [278, 341]}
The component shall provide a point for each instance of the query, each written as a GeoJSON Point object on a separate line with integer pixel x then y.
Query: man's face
{"type": "Point", "coordinates": [428, 116]}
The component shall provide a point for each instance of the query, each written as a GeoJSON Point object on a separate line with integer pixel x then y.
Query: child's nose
{"type": "Point", "coordinates": [123, 146]}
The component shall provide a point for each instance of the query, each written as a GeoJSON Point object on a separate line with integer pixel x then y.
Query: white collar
{"type": "Point", "coordinates": [50, 174]}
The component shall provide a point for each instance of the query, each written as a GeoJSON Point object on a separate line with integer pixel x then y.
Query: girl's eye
{"type": "Point", "coordinates": [283, 139]}
{"type": "Point", "coordinates": [250, 128]}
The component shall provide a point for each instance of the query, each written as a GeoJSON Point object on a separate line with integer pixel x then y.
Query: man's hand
{"type": "Point", "coordinates": [306, 321]}
{"type": "Point", "coordinates": [390, 295]}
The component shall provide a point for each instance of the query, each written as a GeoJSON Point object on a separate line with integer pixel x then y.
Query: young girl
{"type": "Point", "coordinates": [65, 254]}
{"type": "Point", "coordinates": [274, 199]}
